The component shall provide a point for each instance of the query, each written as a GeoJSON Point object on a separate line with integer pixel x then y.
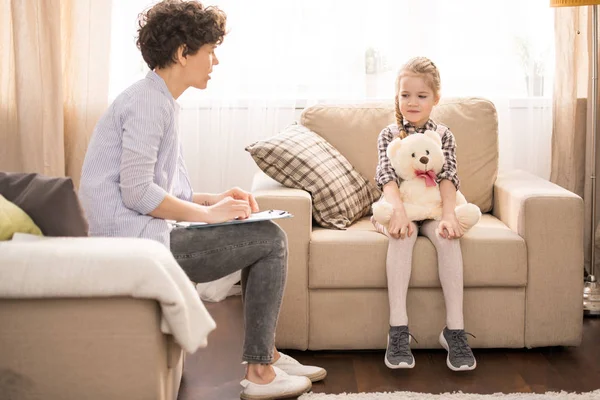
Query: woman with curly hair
{"type": "Point", "coordinates": [134, 181]}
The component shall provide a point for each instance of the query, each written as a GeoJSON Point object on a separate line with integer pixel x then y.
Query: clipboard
{"type": "Point", "coordinates": [266, 215]}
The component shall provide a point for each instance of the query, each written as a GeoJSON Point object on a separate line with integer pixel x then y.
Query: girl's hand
{"type": "Point", "coordinates": [449, 228]}
{"type": "Point", "coordinates": [228, 209]}
{"type": "Point", "coordinates": [400, 226]}
{"type": "Point", "coordinates": [239, 194]}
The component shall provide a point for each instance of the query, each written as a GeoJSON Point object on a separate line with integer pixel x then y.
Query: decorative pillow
{"type": "Point", "coordinates": [14, 220]}
{"type": "Point", "coordinates": [301, 159]}
{"type": "Point", "coordinates": [50, 202]}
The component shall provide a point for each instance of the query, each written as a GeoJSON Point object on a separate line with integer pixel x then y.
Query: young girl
{"type": "Point", "coordinates": [417, 91]}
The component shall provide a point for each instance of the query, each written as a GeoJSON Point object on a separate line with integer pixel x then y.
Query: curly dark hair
{"type": "Point", "coordinates": [169, 24]}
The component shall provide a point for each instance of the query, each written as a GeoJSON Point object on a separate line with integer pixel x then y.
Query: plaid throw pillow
{"type": "Point", "coordinates": [301, 159]}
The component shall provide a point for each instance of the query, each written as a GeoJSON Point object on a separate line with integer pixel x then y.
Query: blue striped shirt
{"type": "Point", "coordinates": [133, 160]}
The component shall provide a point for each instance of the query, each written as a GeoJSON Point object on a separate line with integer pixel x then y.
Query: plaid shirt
{"type": "Point", "coordinates": [385, 172]}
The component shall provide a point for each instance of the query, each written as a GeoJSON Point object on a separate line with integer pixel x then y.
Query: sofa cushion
{"type": "Point", "coordinates": [301, 159]}
{"type": "Point", "coordinates": [493, 256]}
{"type": "Point", "coordinates": [51, 202]}
{"type": "Point", "coordinates": [14, 220]}
{"type": "Point", "coordinates": [353, 130]}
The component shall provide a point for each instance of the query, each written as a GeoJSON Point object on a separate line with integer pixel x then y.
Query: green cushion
{"type": "Point", "coordinates": [14, 220]}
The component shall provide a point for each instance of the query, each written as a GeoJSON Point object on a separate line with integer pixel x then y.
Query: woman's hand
{"type": "Point", "coordinates": [227, 209]}
{"type": "Point", "coordinates": [238, 194]}
{"type": "Point", "coordinates": [400, 226]}
{"type": "Point", "coordinates": [449, 228]}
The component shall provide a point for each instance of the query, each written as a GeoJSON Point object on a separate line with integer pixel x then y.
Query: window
{"type": "Point", "coordinates": [339, 50]}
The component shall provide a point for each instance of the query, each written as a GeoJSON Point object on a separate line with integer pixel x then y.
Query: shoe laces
{"type": "Point", "coordinates": [400, 345]}
{"type": "Point", "coordinates": [459, 338]}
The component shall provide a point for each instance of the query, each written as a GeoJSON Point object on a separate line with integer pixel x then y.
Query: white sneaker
{"type": "Point", "coordinates": [293, 367]}
{"type": "Point", "coordinates": [284, 386]}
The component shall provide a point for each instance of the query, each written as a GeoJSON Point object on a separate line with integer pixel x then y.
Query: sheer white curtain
{"type": "Point", "coordinates": [281, 55]}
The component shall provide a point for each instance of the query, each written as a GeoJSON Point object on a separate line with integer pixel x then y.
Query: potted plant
{"type": "Point", "coordinates": [533, 61]}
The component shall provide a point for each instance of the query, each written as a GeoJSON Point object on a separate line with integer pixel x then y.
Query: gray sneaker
{"type": "Point", "coordinates": [460, 357]}
{"type": "Point", "coordinates": [398, 354]}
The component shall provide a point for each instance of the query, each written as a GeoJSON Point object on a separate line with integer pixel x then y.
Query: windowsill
{"type": "Point", "coordinates": [300, 104]}
{"type": "Point", "coordinates": [530, 102]}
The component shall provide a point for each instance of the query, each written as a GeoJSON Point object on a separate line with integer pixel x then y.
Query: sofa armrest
{"type": "Point", "coordinates": [72, 267]}
{"type": "Point", "coordinates": [550, 219]}
{"type": "Point", "coordinates": [292, 330]}
{"type": "Point", "coordinates": [113, 345]}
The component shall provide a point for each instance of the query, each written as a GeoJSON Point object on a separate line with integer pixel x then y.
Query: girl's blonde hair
{"type": "Point", "coordinates": [419, 66]}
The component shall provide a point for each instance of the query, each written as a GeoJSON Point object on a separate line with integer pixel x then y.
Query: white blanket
{"type": "Point", "coordinates": [107, 267]}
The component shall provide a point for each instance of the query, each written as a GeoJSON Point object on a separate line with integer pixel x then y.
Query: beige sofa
{"type": "Point", "coordinates": [86, 348]}
{"type": "Point", "coordinates": [66, 346]}
{"type": "Point", "coordinates": [522, 263]}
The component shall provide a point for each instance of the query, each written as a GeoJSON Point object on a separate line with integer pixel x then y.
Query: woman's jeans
{"type": "Point", "coordinates": [259, 249]}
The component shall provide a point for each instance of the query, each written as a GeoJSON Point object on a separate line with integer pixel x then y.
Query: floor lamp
{"type": "Point", "coordinates": [591, 291]}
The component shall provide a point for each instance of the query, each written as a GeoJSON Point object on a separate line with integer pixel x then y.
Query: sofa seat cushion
{"type": "Point", "coordinates": [493, 256]}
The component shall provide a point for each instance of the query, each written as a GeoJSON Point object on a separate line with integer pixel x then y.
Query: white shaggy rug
{"type": "Point", "coordinates": [595, 395]}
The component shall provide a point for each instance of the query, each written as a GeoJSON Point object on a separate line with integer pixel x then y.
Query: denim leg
{"type": "Point", "coordinates": [259, 249]}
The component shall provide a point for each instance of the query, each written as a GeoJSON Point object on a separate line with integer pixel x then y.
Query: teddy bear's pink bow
{"type": "Point", "coordinates": [429, 176]}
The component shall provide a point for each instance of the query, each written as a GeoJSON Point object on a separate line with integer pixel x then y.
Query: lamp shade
{"type": "Point", "coordinates": [573, 3]}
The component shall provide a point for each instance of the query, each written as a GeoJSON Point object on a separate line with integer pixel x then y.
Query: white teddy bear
{"type": "Point", "coordinates": [417, 160]}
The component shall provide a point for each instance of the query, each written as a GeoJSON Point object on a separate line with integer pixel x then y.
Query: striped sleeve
{"type": "Point", "coordinates": [144, 124]}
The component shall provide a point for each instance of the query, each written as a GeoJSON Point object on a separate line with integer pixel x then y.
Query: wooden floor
{"type": "Point", "coordinates": [214, 373]}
